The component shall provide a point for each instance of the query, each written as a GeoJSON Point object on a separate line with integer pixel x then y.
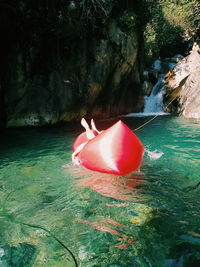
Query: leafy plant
{"type": "Point", "coordinates": [171, 23]}
{"type": "Point", "coordinates": [128, 20]}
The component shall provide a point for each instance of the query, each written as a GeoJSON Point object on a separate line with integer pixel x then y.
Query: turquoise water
{"type": "Point", "coordinates": [148, 218]}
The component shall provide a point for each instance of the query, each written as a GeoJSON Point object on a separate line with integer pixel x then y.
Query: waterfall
{"type": "Point", "coordinates": [154, 102]}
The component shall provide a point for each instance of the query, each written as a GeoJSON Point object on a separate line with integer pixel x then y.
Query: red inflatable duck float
{"type": "Point", "coordinates": [116, 150]}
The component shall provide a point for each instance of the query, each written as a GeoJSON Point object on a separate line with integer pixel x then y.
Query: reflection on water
{"type": "Point", "coordinates": [113, 186]}
{"type": "Point", "coordinates": [124, 240]}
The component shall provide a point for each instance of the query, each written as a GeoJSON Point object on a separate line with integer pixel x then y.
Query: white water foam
{"type": "Point", "coordinates": [154, 155]}
{"type": "Point", "coordinates": [153, 105]}
{"type": "Point", "coordinates": [141, 114]}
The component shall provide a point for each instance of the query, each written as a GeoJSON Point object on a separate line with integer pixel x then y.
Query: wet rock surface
{"type": "Point", "coordinates": [49, 76]}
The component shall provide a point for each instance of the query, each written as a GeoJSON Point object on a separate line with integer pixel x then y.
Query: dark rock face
{"type": "Point", "coordinates": [2, 110]}
{"type": "Point", "coordinates": [49, 78]}
{"type": "Point", "coordinates": [183, 86]}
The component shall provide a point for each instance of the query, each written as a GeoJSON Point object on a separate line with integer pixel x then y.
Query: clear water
{"type": "Point", "coordinates": [151, 218]}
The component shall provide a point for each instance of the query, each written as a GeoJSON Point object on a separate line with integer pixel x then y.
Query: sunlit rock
{"type": "Point", "coordinates": [183, 84]}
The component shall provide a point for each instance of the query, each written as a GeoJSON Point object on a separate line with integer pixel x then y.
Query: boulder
{"type": "Point", "coordinates": [183, 86]}
{"type": "Point", "coordinates": [189, 103]}
{"type": "Point", "coordinates": [147, 87]}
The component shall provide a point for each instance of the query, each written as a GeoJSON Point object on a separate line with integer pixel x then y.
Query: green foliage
{"type": "Point", "coordinates": [94, 11]}
{"type": "Point", "coordinates": [171, 22]}
{"type": "Point", "coordinates": [185, 14]}
{"type": "Point", "coordinates": [128, 20]}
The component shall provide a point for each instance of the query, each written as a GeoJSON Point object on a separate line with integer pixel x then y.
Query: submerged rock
{"type": "Point", "coordinates": [183, 85]}
{"type": "Point", "coordinates": [21, 255]}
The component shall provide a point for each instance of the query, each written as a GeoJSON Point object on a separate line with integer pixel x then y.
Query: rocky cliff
{"type": "Point", "coordinates": [53, 73]}
{"type": "Point", "coordinates": [183, 86]}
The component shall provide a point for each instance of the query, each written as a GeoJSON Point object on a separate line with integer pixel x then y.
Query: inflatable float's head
{"type": "Point", "coordinates": [116, 150]}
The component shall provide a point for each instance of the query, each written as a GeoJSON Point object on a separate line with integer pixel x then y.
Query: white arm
{"type": "Point", "coordinates": [77, 150]}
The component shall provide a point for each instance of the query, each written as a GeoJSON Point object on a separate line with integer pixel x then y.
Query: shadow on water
{"type": "Point", "coordinates": [170, 236]}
